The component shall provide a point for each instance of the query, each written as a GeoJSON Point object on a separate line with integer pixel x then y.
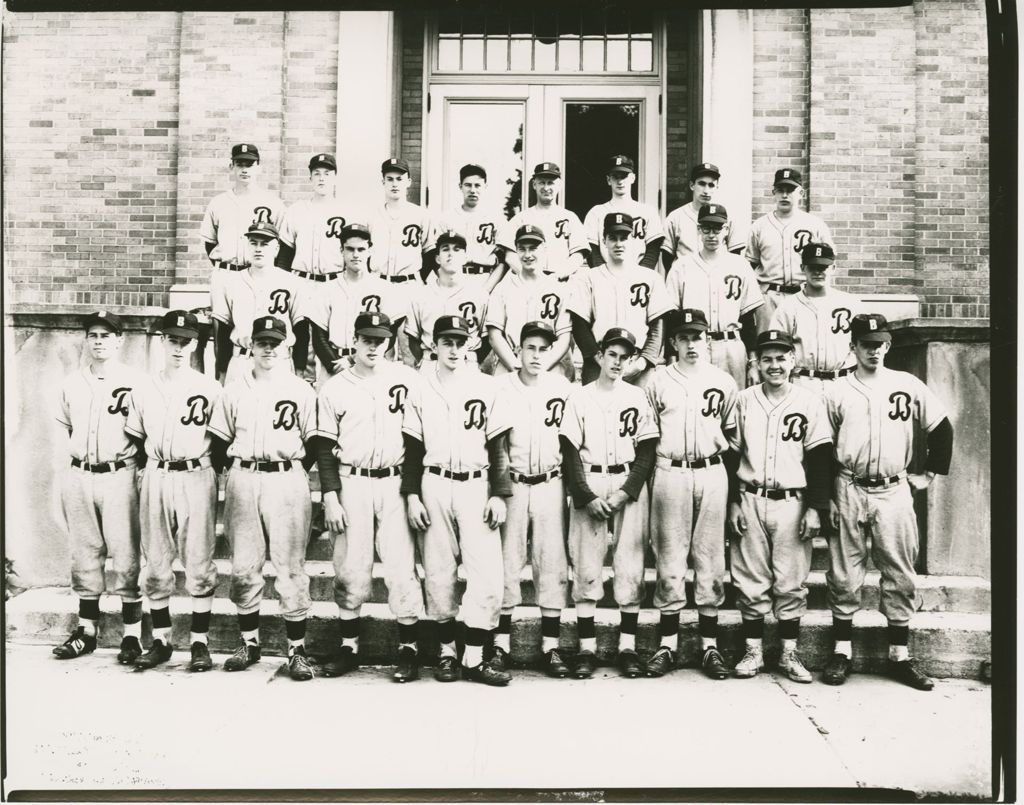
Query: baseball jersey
{"type": "Point", "coordinates": [772, 437]}
{"type": "Point", "coordinates": [515, 301]}
{"type": "Point", "coordinates": [535, 413]}
{"type": "Point", "coordinates": [874, 424]}
{"type": "Point", "coordinates": [774, 244]}
{"type": "Point", "coordinates": [682, 236]}
{"type": "Point", "coordinates": [243, 297]}
{"type": "Point", "coordinates": [692, 410]}
{"type": "Point", "coordinates": [466, 299]}
{"type": "Point", "coordinates": [172, 415]}
{"type": "Point", "coordinates": [724, 289]}
{"type": "Point", "coordinates": [313, 229]}
{"type": "Point", "coordinates": [820, 326]}
{"type": "Point", "coordinates": [633, 298]}
{"type": "Point", "coordinates": [456, 420]}
{"type": "Point", "coordinates": [363, 415]}
{"type": "Point", "coordinates": [334, 306]}
{"type": "Point", "coordinates": [646, 221]}
{"type": "Point", "coordinates": [228, 218]}
{"type": "Point", "coordinates": [399, 237]}
{"type": "Point", "coordinates": [265, 421]}
{"type": "Point", "coordinates": [95, 410]}
{"type": "Point", "coordinates": [479, 226]}
{"type": "Point", "coordinates": [606, 426]}
{"type": "Point", "coordinates": [562, 230]}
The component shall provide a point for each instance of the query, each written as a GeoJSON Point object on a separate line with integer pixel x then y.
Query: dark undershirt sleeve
{"type": "Point", "coordinates": [583, 335]}
{"type": "Point", "coordinates": [499, 483]}
{"type": "Point", "coordinates": [731, 459]}
{"type": "Point", "coordinates": [748, 330]}
{"type": "Point", "coordinates": [322, 347]}
{"type": "Point", "coordinates": [209, 248]}
{"type": "Point", "coordinates": [575, 480]}
{"type": "Point", "coordinates": [818, 471]}
{"type": "Point", "coordinates": [412, 466]}
{"type": "Point", "coordinates": [650, 258]}
{"type": "Point", "coordinates": [594, 256]}
{"type": "Point", "coordinates": [327, 464]}
{"type": "Point", "coordinates": [309, 459]}
{"type": "Point", "coordinates": [222, 346]}
{"type": "Point", "coordinates": [641, 469]}
{"type": "Point", "coordinates": [940, 448]}
{"type": "Point", "coordinates": [140, 450]}
{"type": "Point", "coordinates": [218, 453]}
{"type": "Point", "coordinates": [285, 256]}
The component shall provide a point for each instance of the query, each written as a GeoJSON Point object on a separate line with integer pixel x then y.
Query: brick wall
{"type": "Point", "coordinates": [679, 148]}
{"type": "Point", "coordinates": [411, 104]}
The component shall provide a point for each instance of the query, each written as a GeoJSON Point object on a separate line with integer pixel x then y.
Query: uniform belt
{"type": "Point", "coordinates": [782, 287]}
{"type": "Point", "coordinates": [309, 275]}
{"type": "Point", "coordinates": [824, 375]}
{"type": "Point", "coordinates": [771, 494]}
{"type": "Point", "coordinates": [401, 277]}
{"type": "Point", "coordinates": [263, 466]}
{"type": "Point", "coordinates": [723, 335]}
{"type": "Point", "coordinates": [345, 352]}
{"type": "Point", "coordinates": [519, 478]}
{"type": "Point", "coordinates": [877, 483]}
{"type": "Point", "coordinates": [184, 464]}
{"type": "Point", "coordinates": [106, 466]}
{"type": "Point", "coordinates": [477, 268]}
{"type": "Point", "coordinates": [699, 464]}
{"type": "Point", "coordinates": [366, 472]}
{"type": "Point", "coordinates": [229, 266]}
{"type": "Point", "coordinates": [457, 476]}
{"type": "Point", "coordinates": [611, 469]}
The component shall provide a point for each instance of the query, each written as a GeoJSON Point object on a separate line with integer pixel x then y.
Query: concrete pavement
{"type": "Point", "coordinates": [89, 723]}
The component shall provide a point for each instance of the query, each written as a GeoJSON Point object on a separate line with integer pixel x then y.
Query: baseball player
{"type": "Point", "coordinates": [167, 417]}
{"type": "Point", "coordinates": [98, 494]}
{"type": "Point", "coordinates": [619, 294]}
{"type": "Point", "coordinates": [451, 295]}
{"type": "Point", "coordinates": [455, 479]}
{"type": "Point", "coordinates": [608, 438]}
{"type": "Point", "coordinates": [536, 510]}
{"type": "Point", "coordinates": [647, 231]}
{"type": "Point", "coordinates": [693, 404]}
{"type": "Point", "coordinates": [785, 446]}
{"type": "Point", "coordinates": [777, 239]}
{"type": "Point", "coordinates": [261, 424]}
{"type": "Point", "coordinates": [723, 286]}
{"type": "Point", "coordinates": [566, 237]}
{"type": "Point", "coordinates": [360, 459]}
{"type": "Point", "coordinates": [332, 313]}
{"type": "Point", "coordinates": [682, 229]}
{"type": "Point", "coordinates": [400, 229]}
{"type": "Point", "coordinates": [528, 295]}
{"type": "Point", "coordinates": [261, 289]}
{"type": "Point", "coordinates": [818, 320]}
{"type": "Point", "coordinates": [875, 413]}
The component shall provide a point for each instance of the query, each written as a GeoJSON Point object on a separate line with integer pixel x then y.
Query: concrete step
{"type": "Point", "coordinates": [947, 644]}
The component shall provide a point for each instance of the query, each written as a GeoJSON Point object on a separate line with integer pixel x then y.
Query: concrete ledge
{"type": "Point", "coordinates": [906, 332]}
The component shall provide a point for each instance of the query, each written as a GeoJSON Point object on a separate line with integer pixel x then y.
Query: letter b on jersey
{"type": "Point", "coordinates": [555, 408]}
{"type": "Point", "coordinates": [476, 414]}
{"type": "Point", "coordinates": [120, 404]}
{"type": "Point", "coordinates": [900, 406]}
{"type": "Point", "coordinates": [628, 421]}
{"type": "Point", "coordinates": [287, 415]}
{"type": "Point", "coordinates": [397, 394]}
{"type": "Point", "coordinates": [198, 411]}
{"type": "Point", "coordinates": [714, 399]}
{"type": "Point", "coordinates": [794, 427]}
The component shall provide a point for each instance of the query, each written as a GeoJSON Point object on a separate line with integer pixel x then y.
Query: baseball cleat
{"type": "Point", "coordinates": [836, 670]}
{"type": "Point", "coordinates": [629, 664]}
{"type": "Point", "coordinates": [158, 653]}
{"type": "Point", "coordinates": [341, 663]}
{"type": "Point", "coordinates": [487, 674]}
{"type": "Point", "coordinates": [447, 669]}
{"type": "Point", "coordinates": [245, 655]}
{"type": "Point", "coordinates": [500, 661]}
{"type": "Point", "coordinates": [554, 665]}
{"type": "Point", "coordinates": [750, 663]}
{"type": "Point", "coordinates": [75, 646]}
{"type": "Point", "coordinates": [299, 668]}
{"type": "Point", "coordinates": [586, 662]}
{"type": "Point", "coordinates": [712, 664]}
{"type": "Point", "coordinates": [201, 660]}
{"type": "Point", "coordinates": [408, 668]}
{"type": "Point", "coordinates": [131, 650]}
{"type": "Point", "coordinates": [907, 672]}
{"type": "Point", "coordinates": [792, 666]}
{"type": "Point", "coordinates": [660, 662]}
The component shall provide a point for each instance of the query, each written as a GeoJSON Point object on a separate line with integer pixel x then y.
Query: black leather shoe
{"type": "Point", "coordinates": [500, 661]}
{"type": "Point", "coordinates": [836, 670]}
{"type": "Point", "coordinates": [408, 668]}
{"type": "Point", "coordinates": [131, 650]}
{"type": "Point", "coordinates": [201, 660]}
{"type": "Point", "coordinates": [245, 655]}
{"type": "Point", "coordinates": [341, 663]}
{"type": "Point", "coordinates": [660, 662]}
{"type": "Point", "coordinates": [487, 674]}
{"type": "Point", "coordinates": [75, 646]}
{"type": "Point", "coordinates": [906, 671]}
{"type": "Point", "coordinates": [447, 669]}
{"type": "Point", "coordinates": [554, 665]}
{"type": "Point", "coordinates": [158, 653]}
{"type": "Point", "coordinates": [586, 662]}
{"type": "Point", "coordinates": [712, 664]}
{"type": "Point", "coordinates": [629, 664]}
{"type": "Point", "coordinates": [299, 668]}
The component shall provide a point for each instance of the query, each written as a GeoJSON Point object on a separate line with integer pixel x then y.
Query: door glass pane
{"type": "Point", "coordinates": [641, 55]}
{"type": "Point", "coordinates": [569, 54]}
{"type": "Point", "coordinates": [544, 55]}
{"type": "Point", "coordinates": [618, 54]}
{"type": "Point", "coordinates": [497, 54]}
{"type": "Point", "coordinates": [594, 132]}
{"type": "Point", "coordinates": [593, 55]}
{"type": "Point", "coordinates": [522, 54]}
{"type": "Point", "coordinates": [487, 133]}
{"type": "Point", "coordinates": [448, 50]}
{"type": "Point", "coordinates": [473, 54]}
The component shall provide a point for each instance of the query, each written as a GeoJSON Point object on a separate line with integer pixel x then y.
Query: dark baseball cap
{"type": "Point", "coordinates": [704, 169]}
{"type": "Point", "coordinates": [262, 230]}
{"type": "Point", "coordinates": [394, 165]}
{"type": "Point", "coordinates": [688, 320]}
{"type": "Point", "coordinates": [529, 232]}
{"type": "Point", "coordinates": [324, 161]}
{"type": "Point", "coordinates": [472, 170]}
{"type": "Point", "coordinates": [109, 320]}
{"type": "Point", "coordinates": [269, 327]}
{"type": "Point", "coordinates": [817, 254]}
{"type": "Point", "coordinates": [451, 236]}
{"type": "Point", "coordinates": [374, 325]}
{"type": "Point", "coordinates": [621, 163]}
{"type": "Point", "coordinates": [355, 230]}
{"type": "Point", "coordinates": [451, 325]}
{"type": "Point", "coordinates": [547, 169]}
{"type": "Point", "coordinates": [541, 328]}
{"type": "Point", "coordinates": [712, 214]}
{"type": "Point", "coordinates": [787, 177]}
{"type": "Point", "coordinates": [618, 222]}
{"type": "Point", "coordinates": [618, 335]}
{"type": "Point", "coordinates": [180, 323]}
{"type": "Point", "coordinates": [870, 327]}
{"type": "Point", "coordinates": [245, 151]}
{"type": "Point", "coordinates": [774, 338]}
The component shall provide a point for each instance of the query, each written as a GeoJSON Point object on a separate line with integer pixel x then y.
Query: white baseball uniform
{"type": "Point", "coordinates": [820, 327]}
{"type": "Point", "coordinates": [400, 236]}
{"type": "Point", "coordinates": [480, 227]}
{"type": "Point", "coordinates": [312, 227]}
{"type": "Point", "coordinates": [466, 299]}
{"type": "Point", "coordinates": [562, 228]}
{"type": "Point", "coordinates": [682, 237]}
{"type": "Point", "coordinates": [646, 223]}
{"type": "Point", "coordinates": [227, 220]}
{"type": "Point", "coordinates": [516, 301]}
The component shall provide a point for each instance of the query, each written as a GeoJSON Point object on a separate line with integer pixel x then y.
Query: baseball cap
{"type": "Point", "coordinates": [375, 325]}
{"type": "Point", "coordinates": [621, 163]}
{"type": "Point", "coordinates": [451, 325]}
{"type": "Point", "coordinates": [870, 327]}
{"type": "Point", "coordinates": [109, 320]}
{"type": "Point", "coordinates": [180, 323]}
{"type": "Point", "coordinates": [451, 236]}
{"type": "Point", "coordinates": [355, 230]}
{"type": "Point", "coordinates": [394, 165]}
{"type": "Point", "coordinates": [324, 161]}
{"type": "Point", "coordinates": [773, 338]}
{"type": "Point", "coordinates": [269, 327]}
{"type": "Point", "coordinates": [618, 335]}
{"type": "Point", "coordinates": [787, 177]}
{"type": "Point", "coordinates": [688, 320]}
{"type": "Point", "coordinates": [713, 214]}
{"type": "Point", "coordinates": [618, 222]}
{"type": "Point", "coordinates": [529, 232]}
{"type": "Point", "coordinates": [472, 170]}
{"type": "Point", "coordinates": [817, 254]}
{"type": "Point", "coordinates": [541, 328]}
{"type": "Point", "coordinates": [547, 169]}
{"type": "Point", "coordinates": [245, 151]}
{"type": "Point", "coordinates": [704, 169]}
{"type": "Point", "coordinates": [262, 230]}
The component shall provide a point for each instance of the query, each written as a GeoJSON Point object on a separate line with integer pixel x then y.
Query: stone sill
{"type": "Point", "coordinates": [912, 332]}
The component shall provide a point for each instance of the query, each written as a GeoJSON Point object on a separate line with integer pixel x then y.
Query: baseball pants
{"type": "Point", "coordinates": [770, 562]}
{"type": "Point", "coordinates": [887, 515]}
{"type": "Point", "coordinates": [376, 518]}
{"type": "Point", "coordinates": [101, 513]}
{"type": "Point", "coordinates": [589, 540]}
{"type": "Point", "coordinates": [178, 511]}
{"type": "Point", "coordinates": [536, 515]}
{"type": "Point", "coordinates": [730, 356]}
{"type": "Point", "coordinates": [457, 529]}
{"type": "Point", "coordinates": [272, 509]}
{"type": "Point", "coordinates": [688, 510]}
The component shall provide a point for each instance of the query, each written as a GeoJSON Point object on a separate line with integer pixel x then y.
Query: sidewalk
{"type": "Point", "coordinates": [89, 723]}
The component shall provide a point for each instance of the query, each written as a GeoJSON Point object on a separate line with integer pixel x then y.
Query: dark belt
{"type": "Point", "coordinates": [456, 476]}
{"type": "Point", "coordinates": [723, 335]}
{"type": "Point", "coordinates": [382, 472]}
{"type": "Point", "coordinates": [401, 277]}
{"type": "Point", "coordinates": [229, 266]}
{"type": "Point", "coordinates": [824, 375]}
{"type": "Point", "coordinates": [345, 352]}
{"type": "Point", "coordinates": [771, 494]}
{"type": "Point", "coordinates": [699, 464]}
{"type": "Point", "coordinates": [611, 469]}
{"type": "Point", "coordinates": [874, 483]}
{"type": "Point", "coordinates": [178, 466]}
{"type": "Point", "coordinates": [519, 478]}
{"type": "Point", "coordinates": [309, 275]}
{"type": "Point", "coordinates": [107, 466]}
{"type": "Point", "coordinates": [782, 287]}
{"type": "Point", "coordinates": [264, 466]}
{"type": "Point", "coordinates": [477, 268]}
